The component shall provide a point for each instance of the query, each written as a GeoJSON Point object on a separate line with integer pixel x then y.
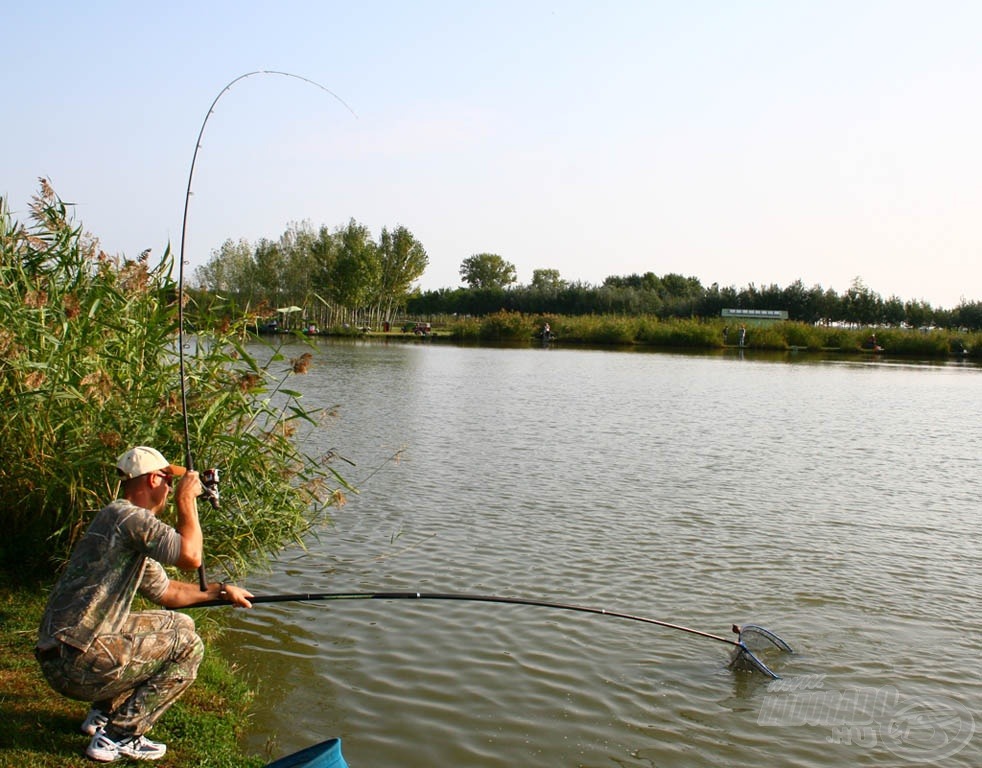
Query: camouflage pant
{"type": "Point", "coordinates": [133, 676]}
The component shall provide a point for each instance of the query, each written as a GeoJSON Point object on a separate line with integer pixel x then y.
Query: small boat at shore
{"type": "Point", "coordinates": [326, 754]}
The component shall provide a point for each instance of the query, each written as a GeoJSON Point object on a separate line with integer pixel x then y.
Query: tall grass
{"type": "Point", "coordinates": [700, 333]}
{"type": "Point", "coordinates": [88, 368]}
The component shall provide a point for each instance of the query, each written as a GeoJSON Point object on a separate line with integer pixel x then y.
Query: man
{"type": "Point", "coordinates": [131, 666]}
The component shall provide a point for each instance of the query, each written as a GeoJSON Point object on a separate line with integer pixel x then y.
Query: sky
{"type": "Point", "coordinates": [738, 142]}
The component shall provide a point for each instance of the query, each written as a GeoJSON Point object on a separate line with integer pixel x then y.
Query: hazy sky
{"type": "Point", "coordinates": [736, 142]}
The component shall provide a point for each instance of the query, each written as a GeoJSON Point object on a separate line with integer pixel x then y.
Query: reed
{"type": "Point", "coordinates": [803, 335]}
{"type": "Point", "coordinates": [708, 333]}
{"type": "Point", "coordinates": [88, 368]}
{"type": "Point", "coordinates": [679, 333]}
{"type": "Point", "coordinates": [506, 326]}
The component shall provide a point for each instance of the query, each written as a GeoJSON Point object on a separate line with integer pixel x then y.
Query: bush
{"type": "Point", "coordinates": [600, 329]}
{"type": "Point", "coordinates": [679, 333]}
{"type": "Point", "coordinates": [803, 335]}
{"type": "Point", "coordinates": [919, 344]}
{"type": "Point", "coordinates": [88, 368]}
{"type": "Point", "coordinates": [466, 328]}
{"type": "Point", "coordinates": [506, 326]}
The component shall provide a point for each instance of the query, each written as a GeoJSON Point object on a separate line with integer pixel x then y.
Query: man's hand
{"type": "Point", "coordinates": [238, 596]}
{"type": "Point", "coordinates": [188, 488]}
{"type": "Point", "coordinates": [182, 594]}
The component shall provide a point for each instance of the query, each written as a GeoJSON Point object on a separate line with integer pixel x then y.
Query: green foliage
{"type": "Point", "coordinates": [696, 333]}
{"type": "Point", "coordinates": [467, 329]}
{"type": "Point", "coordinates": [606, 329]}
{"type": "Point", "coordinates": [335, 277]}
{"type": "Point", "coordinates": [402, 260]}
{"type": "Point", "coordinates": [916, 344]}
{"type": "Point", "coordinates": [89, 367]}
{"type": "Point", "coordinates": [766, 337]}
{"type": "Point", "coordinates": [675, 296]}
{"type": "Point", "coordinates": [487, 270]}
{"type": "Point", "coordinates": [835, 338]}
{"type": "Point", "coordinates": [679, 333]}
{"type": "Point", "coordinates": [505, 326]}
{"type": "Point", "coordinates": [803, 335]}
{"type": "Point", "coordinates": [547, 280]}
{"type": "Point", "coordinates": [355, 269]}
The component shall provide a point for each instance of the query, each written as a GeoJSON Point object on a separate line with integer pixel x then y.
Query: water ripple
{"type": "Point", "coordinates": [835, 504]}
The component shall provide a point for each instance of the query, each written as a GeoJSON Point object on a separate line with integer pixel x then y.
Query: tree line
{"type": "Point", "coordinates": [345, 276]}
{"type": "Point", "coordinates": [676, 296]}
{"type": "Point", "coordinates": [335, 277]}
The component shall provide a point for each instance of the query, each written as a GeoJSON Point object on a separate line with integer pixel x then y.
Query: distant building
{"type": "Point", "coordinates": [754, 316]}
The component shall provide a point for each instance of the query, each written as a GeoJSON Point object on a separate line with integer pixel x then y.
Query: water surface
{"type": "Point", "coordinates": [836, 503]}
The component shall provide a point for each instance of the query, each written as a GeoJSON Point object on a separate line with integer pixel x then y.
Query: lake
{"type": "Point", "coordinates": [835, 502]}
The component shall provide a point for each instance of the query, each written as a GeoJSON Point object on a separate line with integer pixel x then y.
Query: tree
{"type": "Point", "coordinates": [402, 259]}
{"type": "Point", "coordinates": [794, 299]}
{"type": "Point", "coordinates": [353, 278]}
{"type": "Point", "coordinates": [678, 287]}
{"type": "Point", "coordinates": [297, 246]}
{"type": "Point", "coordinates": [269, 269]}
{"type": "Point", "coordinates": [918, 313]}
{"type": "Point", "coordinates": [228, 268]}
{"type": "Point", "coordinates": [487, 270]}
{"type": "Point", "coordinates": [547, 280]}
{"type": "Point", "coordinates": [863, 306]}
{"type": "Point", "coordinates": [969, 315]}
{"type": "Point", "coordinates": [893, 311]}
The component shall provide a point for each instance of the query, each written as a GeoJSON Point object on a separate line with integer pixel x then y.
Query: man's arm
{"type": "Point", "coordinates": [182, 594]}
{"type": "Point", "coordinates": [192, 542]}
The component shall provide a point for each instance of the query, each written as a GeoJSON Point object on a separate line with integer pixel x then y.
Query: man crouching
{"type": "Point", "coordinates": [130, 666]}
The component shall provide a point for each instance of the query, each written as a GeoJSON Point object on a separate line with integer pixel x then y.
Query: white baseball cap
{"type": "Point", "coordinates": [143, 460]}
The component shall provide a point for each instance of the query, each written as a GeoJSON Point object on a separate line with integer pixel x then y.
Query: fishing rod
{"type": "Point", "coordinates": [743, 658]}
{"type": "Point", "coordinates": [209, 477]}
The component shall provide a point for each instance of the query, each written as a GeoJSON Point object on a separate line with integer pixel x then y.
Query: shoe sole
{"type": "Point", "coordinates": [102, 757]}
{"type": "Point", "coordinates": [121, 753]}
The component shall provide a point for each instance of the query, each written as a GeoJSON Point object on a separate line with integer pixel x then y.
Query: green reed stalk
{"type": "Point", "coordinates": [88, 368]}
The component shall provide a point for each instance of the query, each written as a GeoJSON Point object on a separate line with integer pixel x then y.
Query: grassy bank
{"type": "Point", "coordinates": [39, 728]}
{"type": "Point", "coordinates": [647, 331]}
{"type": "Point", "coordinates": [715, 333]}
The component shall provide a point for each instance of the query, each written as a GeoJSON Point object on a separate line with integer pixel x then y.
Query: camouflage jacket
{"type": "Point", "coordinates": [121, 553]}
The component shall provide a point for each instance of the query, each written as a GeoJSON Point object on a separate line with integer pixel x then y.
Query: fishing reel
{"type": "Point", "coordinates": [209, 486]}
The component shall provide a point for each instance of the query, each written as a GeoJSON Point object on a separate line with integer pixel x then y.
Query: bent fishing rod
{"type": "Point", "coordinates": [209, 477]}
{"type": "Point", "coordinates": [744, 654]}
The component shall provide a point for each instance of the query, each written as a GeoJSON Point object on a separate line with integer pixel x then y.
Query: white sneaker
{"type": "Point", "coordinates": [105, 750]}
{"type": "Point", "coordinates": [94, 721]}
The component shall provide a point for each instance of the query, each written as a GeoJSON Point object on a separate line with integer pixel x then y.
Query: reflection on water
{"type": "Point", "coordinates": [836, 504]}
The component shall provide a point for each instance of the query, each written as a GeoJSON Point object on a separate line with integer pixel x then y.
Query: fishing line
{"type": "Point", "coordinates": [210, 484]}
{"type": "Point", "coordinates": [743, 657]}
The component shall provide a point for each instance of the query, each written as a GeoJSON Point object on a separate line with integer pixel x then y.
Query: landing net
{"type": "Point", "coordinates": [756, 644]}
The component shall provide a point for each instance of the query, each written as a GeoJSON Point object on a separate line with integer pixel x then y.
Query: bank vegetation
{"type": "Point", "coordinates": [713, 334]}
{"type": "Point", "coordinates": [89, 367]}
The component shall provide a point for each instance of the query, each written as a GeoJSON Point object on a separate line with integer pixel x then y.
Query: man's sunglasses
{"type": "Point", "coordinates": [169, 479]}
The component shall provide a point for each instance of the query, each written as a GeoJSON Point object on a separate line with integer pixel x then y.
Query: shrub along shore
{"type": "Point", "coordinates": [645, 331]}
{"type": "Point", "coordinates": [88, 369]}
